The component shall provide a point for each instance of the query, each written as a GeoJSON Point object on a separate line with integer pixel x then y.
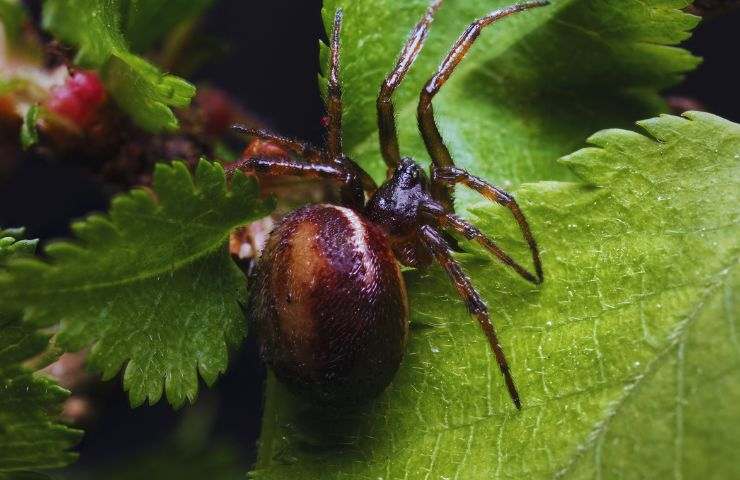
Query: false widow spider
{"type": "Point", "coordinates": [327, 296]}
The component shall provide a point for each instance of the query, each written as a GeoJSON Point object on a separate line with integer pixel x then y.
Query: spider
{"type": "Point", "coordinates": [327, 296]}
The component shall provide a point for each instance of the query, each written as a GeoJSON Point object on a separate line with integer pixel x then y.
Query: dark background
{"type": "Point", "coordinates": [271, 65]}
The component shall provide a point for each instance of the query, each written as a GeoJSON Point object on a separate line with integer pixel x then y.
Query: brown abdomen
{"type": "Point", "coordinates": [330, 304]}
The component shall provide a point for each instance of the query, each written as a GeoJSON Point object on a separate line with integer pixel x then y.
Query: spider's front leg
{"type": "Point", "coordinates": [451, 221]}
{"type": "Point", "coordinates": [450, 176]}
{"type": "Point", "coordinates": [441, 251]}
{"type": "Point", "coordinates": [425, 112]}
{"type": "Point", "coordinates": [386, 112]}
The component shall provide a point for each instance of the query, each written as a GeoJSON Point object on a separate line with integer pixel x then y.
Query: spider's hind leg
{"type": "Point", "coordinates": [301, 149]}
{"type": "Point", "coordinates": [351, 185]}
{"type": "Point", "coordinates": [436, 244]}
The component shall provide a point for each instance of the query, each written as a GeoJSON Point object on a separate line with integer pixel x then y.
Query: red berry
{"type": "Point", "coordinates": [218, 110]}
{"type": "Point", "coordinates": [79, 99]}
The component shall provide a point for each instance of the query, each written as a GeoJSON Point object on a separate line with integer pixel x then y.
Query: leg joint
{"type": "Point", "coordinates": [476, 305]}
{"type": "Point", "coordinates": [448, 174]}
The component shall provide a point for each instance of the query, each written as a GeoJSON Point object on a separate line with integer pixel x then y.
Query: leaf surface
{"type": "Point", "coordinates": [626, 358]}
{"type": "Point", "coordinates": [151, 285]}
{"type": "Point", "coordinates": [530, 90]}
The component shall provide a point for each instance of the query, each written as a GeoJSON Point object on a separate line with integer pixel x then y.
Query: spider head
{"type": "Point", "coordinates": [409, 176]}
{"type": "Point", "coordinates": [395, 205]}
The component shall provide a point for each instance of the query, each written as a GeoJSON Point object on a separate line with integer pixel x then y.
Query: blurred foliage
{"type": "Point", "coordinates": [31, 439]}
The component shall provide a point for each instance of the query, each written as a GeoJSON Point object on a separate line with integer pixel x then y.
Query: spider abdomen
{"type": "Point", "coordinates": [330, 304]}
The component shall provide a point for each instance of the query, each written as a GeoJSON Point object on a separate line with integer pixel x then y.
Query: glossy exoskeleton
{"type": "Point", "coordinates": [327, 296]}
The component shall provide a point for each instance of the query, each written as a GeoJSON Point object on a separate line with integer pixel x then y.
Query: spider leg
{"type": "Point", "coordinates": [351, 190]}
{"type": "Point", "coordinates": [368, 184]}
{"type": "Point", "coordinates": [450, 176]}
{"type": "Point", "coordinates": [471, 232]}
{"type": "Point", "coordinates": [302, 149]}
{"type": "Point", "coordinates": [425, 113]}
{"type": "Point", "coordinates": [384, 104]}
{"type": "Point", "coordinates": [334, 93]}
{"type": "Point", "coordinates": [436, 244]}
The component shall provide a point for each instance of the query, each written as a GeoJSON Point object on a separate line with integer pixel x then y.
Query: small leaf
{"type": "Point", "coordinates": [13, 244]}
{"type": "Point", "coordinates": [149, 94]}
{"type": "Point", "coordinates": [626, 358]}
{"type": "Point", "coordinates": [151, 285]}
{"type": "Point", "coordinates": [139, 88]}
{"type": "Point", "coordinates": [30, 437]}
{"type": "Point", "coordinates": [29, 132]}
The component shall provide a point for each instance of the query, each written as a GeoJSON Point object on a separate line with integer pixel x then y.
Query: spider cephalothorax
{"type": "Point", "coordinates": [327, 296]}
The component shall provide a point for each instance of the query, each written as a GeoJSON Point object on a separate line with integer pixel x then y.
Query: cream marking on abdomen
{"type": "Point", "coordinates": [359, 240]}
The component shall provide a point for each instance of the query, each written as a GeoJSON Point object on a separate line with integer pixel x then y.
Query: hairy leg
{"type": "Point", "coordinates": [432, 138]}
{"type": "Point", "coordinates": [334, 94]}
{"type": "Point", "coordinates": [451, 176]}
{"type": "Point", "coordinates": [436, 244]}
{"type": "Point", "coordinates": [386, 112]}
{"type": "Point", "coordinates": [471, 232]}
{"type": "Point", "coordinates": [301, 149]}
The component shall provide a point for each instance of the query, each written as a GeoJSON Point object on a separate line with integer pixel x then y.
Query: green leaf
{"type": "Point", "coordinates": [626, 358]}
{"type": "Point", "coordinates": [151, 285]}
{"type": "Point", "coordinates": [29, 133]}
{"type": "Point", "coordinates": [148, 94]}
{"type": "Point", "coordinates": [13, 244]}
{"type": "Point", "coordinates": [530, 90]}
{"type": "Point", "coordinates": [97, 28]}
{"type": "Point", "coordinates": [12, 16]}
{"type": "Point", "coordinates": [30, 437]}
